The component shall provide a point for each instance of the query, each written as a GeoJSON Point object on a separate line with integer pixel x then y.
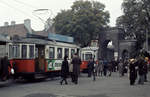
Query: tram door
{"type": "Point", "coordinates": [40, 58]}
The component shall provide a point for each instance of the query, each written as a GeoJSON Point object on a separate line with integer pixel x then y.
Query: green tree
{"type": "Point", "coordinates": [136, 20]}
{"type": "Point", "coordinates": [83, 21]}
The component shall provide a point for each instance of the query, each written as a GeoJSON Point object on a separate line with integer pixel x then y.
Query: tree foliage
{"type": "Point", "coordinates": [83, 21]}
{"type": "Point", "coordinates": [136, 19]}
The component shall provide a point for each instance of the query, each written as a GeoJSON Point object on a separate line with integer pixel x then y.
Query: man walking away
{"type": "Point", "coordinates": [76, 61]}
{"type": "Point", "coordinates": [90, 67]}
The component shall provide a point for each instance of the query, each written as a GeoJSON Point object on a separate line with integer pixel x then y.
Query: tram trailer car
{"type": "Point", "coordinates": [39, 58]}
{"type": "Point", "coordinates": [86, 54]}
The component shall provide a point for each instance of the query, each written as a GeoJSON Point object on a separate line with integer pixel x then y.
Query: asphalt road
{"type": "Point", "coordinates": [113, 86]}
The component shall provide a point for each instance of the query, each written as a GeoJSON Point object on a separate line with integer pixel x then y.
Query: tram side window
{"type": "Point", "coordinates": [83, 57]}
{"type": "Point", "coordinates": [72, 52]}
{"type": "Point", "coordinates": [67, 52]}
{"type": "Point", "coordinates": [10, 51]}
{"type": "Point", "coordinates": [51, 52]}
{"type": "Point", "coordinates": [31, 51]}
{"type": "Point", "coordinates": [59, 53]}
{"type": "Point", "coordinates": [24, 51]}
{"type": "Point", "coordinates": [16, 51]}
{"type": "Point", "coordinates": [36, 52]}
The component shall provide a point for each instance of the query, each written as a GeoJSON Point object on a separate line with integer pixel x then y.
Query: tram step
{"type": "Point", "coordinates": [39, 76]}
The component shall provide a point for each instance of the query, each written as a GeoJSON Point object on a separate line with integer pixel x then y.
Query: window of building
{"type": "Point", "coordinates": [59, 53]}
{"type": "Point", "coordinates": [52, 52]}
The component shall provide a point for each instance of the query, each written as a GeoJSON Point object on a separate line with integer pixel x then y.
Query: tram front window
{"type": "Point", "coordinates": [88, 56]}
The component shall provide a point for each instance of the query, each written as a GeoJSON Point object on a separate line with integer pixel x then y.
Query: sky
{"type": "Point", "coordinates": [19, 10]}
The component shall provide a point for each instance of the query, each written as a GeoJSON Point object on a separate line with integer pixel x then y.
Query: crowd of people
{"type": "Point", "coordinates": [135, 68]}
{"type": "Point", "coordinates": [138, 68]}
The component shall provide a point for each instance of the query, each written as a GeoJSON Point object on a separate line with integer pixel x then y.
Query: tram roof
{"type": "Point", "coordinates": [43, 42]}
{"type": "Point", "coordinates": [34, 41]}
{"type": "Point", "coordinates": [90, 48]}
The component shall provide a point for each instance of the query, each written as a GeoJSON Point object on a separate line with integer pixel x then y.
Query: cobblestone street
{"type": "Point", "coordinates": [113, 86]}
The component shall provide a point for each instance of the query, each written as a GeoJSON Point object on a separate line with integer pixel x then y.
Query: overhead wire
{"type": "Point", "coordinates": [34, 11]}
{"type": "Point", "coordinates": [23, 12]}
{"type": "Point", "coordinates": [23, 3]}
{"type": "Point", "coordinates": [34, 7]}
{"type": "Point", "coordinates": [16, 9]}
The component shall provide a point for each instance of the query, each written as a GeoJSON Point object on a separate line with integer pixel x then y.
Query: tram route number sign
{"type": "Point", "coordinates": [54, 64]}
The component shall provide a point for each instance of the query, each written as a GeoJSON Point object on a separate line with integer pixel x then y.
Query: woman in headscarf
{"type": "Point", "coordinates": [64, 70]}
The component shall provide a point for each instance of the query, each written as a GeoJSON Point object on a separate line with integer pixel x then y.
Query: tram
{"type": "Point", "coordinates": [90, 52]}
{"type": "Point", "coordinates": [39, 58]}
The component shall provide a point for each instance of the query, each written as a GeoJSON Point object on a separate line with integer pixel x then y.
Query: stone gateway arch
{"type": "Point", "coordinates": [113, 46]}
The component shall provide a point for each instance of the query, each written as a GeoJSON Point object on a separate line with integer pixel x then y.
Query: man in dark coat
{"type": "Point", "coordinates": [132, 71]}
{"type": "Point", "coordinates": [105, 68]}
{"type": "Point", "coordinates": [90, 67]}
{"type": "Point", "coordinates": [76, 61]}
{"type": "Point", "coordinates": [141, 63]}
{"type": "Point", "coordinates": [64, 70]}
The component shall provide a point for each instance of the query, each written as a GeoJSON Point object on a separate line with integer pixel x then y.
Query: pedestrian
{"type": "Point", "coordinates": [113, 66]}
{"type": "Point", "coordinates": [76, 61]}
{"type": "Point", "coordinates": [94, 70]}
{"type": "Point", "coordinates": [64, 70]}
{"type": "Point", "coordinates": [90, 66]}
{"type": "Point", "coordinates": [120, 67]}
{"type": "Point", "coordinates": [132, 71]}
{"type": "Point", "coordinates": [109, 68]}
{"type": "Point", "coordinates": [141, 63]}
{"type": "Point", "coordinates": [71, 70]}
{"type": "Point", "coordinates": [105, 68]}
{"type": "Point", "coordinates": [5, 65]}
{"type": "Point", "coordinates": [99, 68]}
{"type": "Point", "coordinates": [145, 69]}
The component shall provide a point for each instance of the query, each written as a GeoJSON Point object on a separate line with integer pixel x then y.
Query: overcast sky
{"type": "Point", "coordinates": [18, 10]}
